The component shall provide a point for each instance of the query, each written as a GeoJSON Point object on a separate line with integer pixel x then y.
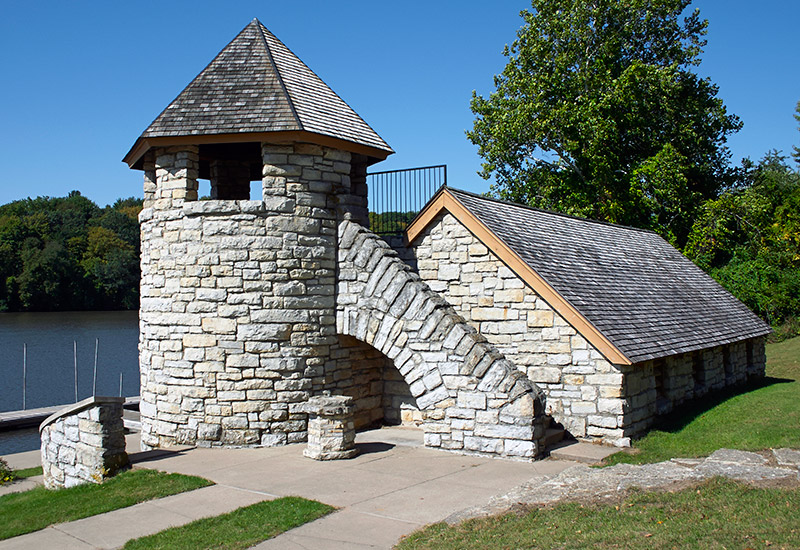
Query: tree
{"type": "Point", "coordinates": [598, 114]}
{"type": "Point", "coordinates": [66, 253]}
{"type": "Point", "coordinates": [749, 239]}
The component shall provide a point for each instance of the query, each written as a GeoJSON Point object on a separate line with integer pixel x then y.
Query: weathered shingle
{"type": "Point", "coordinates": [640, 292]}
{"type": "Point", "coordinates": [256, 84]}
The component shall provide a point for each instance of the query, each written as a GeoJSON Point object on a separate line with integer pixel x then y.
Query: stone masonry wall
{"type": "Point", "coordinates": [237, 299]}
{"type": "Point", "coordinates": [380, 394]}
{"type": "Point", "coordinates": [591, 397]}
{"type": "Point", "coordinates": [658, 387]}
{"type": "Point", "coordinates": [470, 397]}
{"type": "Point", "coordinates": [83, 443]}
{"type": "Point", "coordinates": [584, 390]}
{"type": "Point", "coordinates": [246, 307]}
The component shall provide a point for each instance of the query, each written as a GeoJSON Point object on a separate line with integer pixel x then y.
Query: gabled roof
{"type": "Point", "coordinates": [628, 291]}
{"type": "Point", "coordinates": [256, 86]}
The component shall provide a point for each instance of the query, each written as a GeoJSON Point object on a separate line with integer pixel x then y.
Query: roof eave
{"type": "Point", "coordinates": [143, 144]}
{"type": "Point", "coordinates": [445, 200]}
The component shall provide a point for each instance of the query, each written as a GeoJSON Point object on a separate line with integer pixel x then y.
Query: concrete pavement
{"type": "Point", "coordinates": [392, 488]}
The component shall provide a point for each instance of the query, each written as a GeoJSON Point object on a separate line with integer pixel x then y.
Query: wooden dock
{"type": "Point", "coordinates": [30, 418]}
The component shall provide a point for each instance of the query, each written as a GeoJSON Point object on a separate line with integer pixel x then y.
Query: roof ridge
{"type": "Point", "coordinates": [545, 211]}
{"type": "Point", "coordinates": [312, 71]}
{"type": "Point", "coordinates": [289, 100]}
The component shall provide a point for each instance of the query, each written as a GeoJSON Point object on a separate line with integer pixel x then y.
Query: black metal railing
{"type": "Point", "coordinates": [397, 196]}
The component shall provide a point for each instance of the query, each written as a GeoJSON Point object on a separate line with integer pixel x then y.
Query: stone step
{"type": "Point", "coordinates": [581, 451]}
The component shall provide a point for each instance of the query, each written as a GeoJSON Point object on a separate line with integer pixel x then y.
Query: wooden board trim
{"type": "Point", "coordinates": [444, 200]}
{"type": "Point", "coordinates": [284, 137]}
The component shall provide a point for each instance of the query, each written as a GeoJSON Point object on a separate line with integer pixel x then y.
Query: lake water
{"type": "Point", "coordinates": [50, 365]}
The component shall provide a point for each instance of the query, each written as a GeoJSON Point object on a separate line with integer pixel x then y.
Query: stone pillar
{"type": "Point", "coordinates": [176, 170]}
{"type": "Point", "coordinates": [230, 180]}
{"type": "Point", "coordinates": [300, 183]}
{"type": "Point", "coordinates": [83, 443]}
{"type": "Point", "coordinates": [354, 200]}
{"type": "Point", "coordinates": [150, 186]}
{"type": "Point", "coordinates": [331, 431]}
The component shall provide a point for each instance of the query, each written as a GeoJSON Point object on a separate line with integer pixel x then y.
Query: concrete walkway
{"type": "Point", "coordinates": [392, 488]}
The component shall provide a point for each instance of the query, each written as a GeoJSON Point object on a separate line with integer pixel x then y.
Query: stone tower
{"type": "Point", "coordinates": [248, 308]}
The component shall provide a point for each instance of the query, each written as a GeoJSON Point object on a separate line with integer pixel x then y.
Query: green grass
{"type": "Point", "coordinates": [718, 514]}
{"type": "Point", "coordinates": [241, 528]}
{"type": "Point", "coordinates": [28, 472]}
{"type": "Point", "coordinates": [763, 416]}
{"type": "Point", "coordinates": [32, 510]}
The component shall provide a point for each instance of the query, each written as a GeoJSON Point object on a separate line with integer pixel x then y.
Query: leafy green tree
{"type": "Point", "coordinates": [66, 253]}
{"type": "Point", "coordinates": [749, 239]}
{"type": "Point", "coordinates": [598, 114]}
{"type": "Point", "coordinates": [112, 264]}
{"type": "Point", "coordinates": [45, 278]}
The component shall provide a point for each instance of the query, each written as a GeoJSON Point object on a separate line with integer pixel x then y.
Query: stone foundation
{"type": "Point", "coordinates": [83, 443]}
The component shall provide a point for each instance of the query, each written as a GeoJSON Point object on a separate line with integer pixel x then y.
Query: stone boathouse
{"type": "Point", "coordinates": [493, 319]}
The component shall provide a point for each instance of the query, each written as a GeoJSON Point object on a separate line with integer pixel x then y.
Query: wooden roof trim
{"type": "Point", "coordinates": [444, 200]}
{"type": "Point", "coordinates": [142, 145]}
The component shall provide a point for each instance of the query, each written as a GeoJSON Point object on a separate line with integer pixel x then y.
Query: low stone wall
{"type": "Point", "coordinates": [83, 443]}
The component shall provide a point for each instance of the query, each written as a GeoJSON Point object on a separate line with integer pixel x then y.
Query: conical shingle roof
{"type": "Point", "coordinates": [256, 85]}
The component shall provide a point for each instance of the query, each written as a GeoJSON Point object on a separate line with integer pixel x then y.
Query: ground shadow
{"type": "Point", "coordinates": [689, 411]}
{"type": "Point", "coordinates": [155, 454]}
{"type": "Point", "coordinates": [374, 447]}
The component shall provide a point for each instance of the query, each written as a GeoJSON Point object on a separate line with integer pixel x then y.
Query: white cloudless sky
{"type": "Point", "coordinates": [81, 80]}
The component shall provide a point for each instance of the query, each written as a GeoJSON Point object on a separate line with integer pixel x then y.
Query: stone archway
{"type": "Point", "coordinates": [380, 394]}
{"type": "Point", "coordinates": [471, 398]}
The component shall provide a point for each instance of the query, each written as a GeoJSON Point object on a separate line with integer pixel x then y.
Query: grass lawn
{"type": "Point", "coordinates": [27, 472]}
{"type": "Point", "coordinates": [718, 514]}
{"type": "Point", "coordinates": [242, 528]}
{"type": "Point", "coordinates": [765, 416]}
{"type": "Point", "coordinates": [32, 510]}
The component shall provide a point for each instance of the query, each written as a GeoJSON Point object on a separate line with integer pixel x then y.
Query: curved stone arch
{"type": "Point", "coordinates": [472, 398]}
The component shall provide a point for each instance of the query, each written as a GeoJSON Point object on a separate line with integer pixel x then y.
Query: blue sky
{"type": "Point", "coordinates": [81, 80]}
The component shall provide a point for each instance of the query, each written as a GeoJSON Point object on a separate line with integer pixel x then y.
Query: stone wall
{"type": "Point", "coordinates": [83, 443]}
{"type": "Point", "coordinates": [590, 396]}
{"type": "Point", "coordinates": [380, 394]}
{"type": "Point", "coordinates": [237, 299]}
{"type": "Point", "coordinates": [470, 397]}
{"type": "Point", "coordinates": [658, 387]}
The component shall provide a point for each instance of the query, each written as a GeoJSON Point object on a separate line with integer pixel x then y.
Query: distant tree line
{"type": "Point", "coordinates": [67, 253]}
{"type": "Point", "coordinates": [391, 223]}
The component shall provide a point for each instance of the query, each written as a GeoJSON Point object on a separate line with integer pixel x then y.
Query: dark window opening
{"type": "Point", "coordinates": [726, 363]}
{"type": "Point", "coordinates": [698, 370]}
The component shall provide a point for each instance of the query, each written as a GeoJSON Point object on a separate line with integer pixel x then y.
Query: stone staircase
{"type": "Point", "coordinates": [562, 446]}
